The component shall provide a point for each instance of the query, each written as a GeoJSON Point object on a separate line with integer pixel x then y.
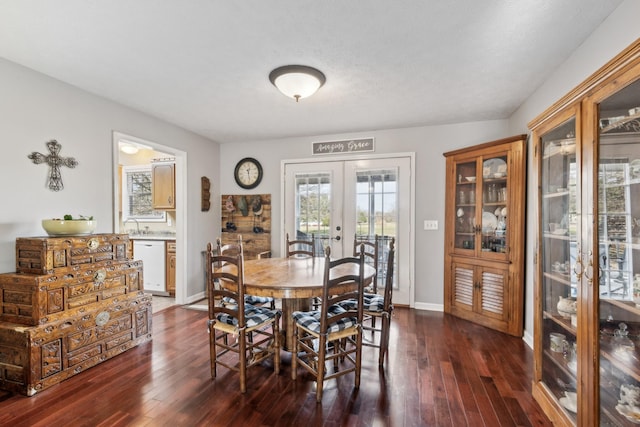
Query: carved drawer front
{"type": "Point", "coordinates": [36, 299]}
{"type": "Point", "coordinates": [46, 255]}
{"type": "Point", "coordinates": [37, 357]}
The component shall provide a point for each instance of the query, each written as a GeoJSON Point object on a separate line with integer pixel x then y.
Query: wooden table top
{"type": "Point", "coordinates": [291, 277]}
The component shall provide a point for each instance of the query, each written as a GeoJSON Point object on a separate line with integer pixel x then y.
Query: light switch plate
{"type": "Point", "coordinates": [430, 224]}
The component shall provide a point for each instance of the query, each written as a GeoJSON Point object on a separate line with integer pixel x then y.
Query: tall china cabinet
{"type": "Point", "coordinates": [484, 234]}
{"type": "Point", "coordinates": [587, 260]}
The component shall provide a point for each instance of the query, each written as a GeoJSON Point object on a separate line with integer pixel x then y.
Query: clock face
{"type": "Point", "coordinates": [248, 173]}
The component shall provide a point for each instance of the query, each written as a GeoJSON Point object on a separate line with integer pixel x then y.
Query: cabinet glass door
{"type": "Point", "coordinates": [482, 192]}
{"type": "Point", "coordinates": [493, 216]}
{"type": "Point", "coordinates": [618, 237]}
{"type": "Point", "coordinates": [557, 263]}
{"type": "Point", "coordinates": [466, 183]}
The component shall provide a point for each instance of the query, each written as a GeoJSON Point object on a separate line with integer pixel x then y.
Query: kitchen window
{"type": "Point", "coordinates": [136, 195]}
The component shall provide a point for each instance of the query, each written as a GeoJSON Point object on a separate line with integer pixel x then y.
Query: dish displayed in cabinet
{"type": "Point", "coordinates": [495, 168]}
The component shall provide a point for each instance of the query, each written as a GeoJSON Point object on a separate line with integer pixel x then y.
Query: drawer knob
{"type": "Point", "coordinates": [93, 243]}
{"type": "Point", "coordinates": [102, 318]}
{"type": "Point", "coordinates": [100, 275]}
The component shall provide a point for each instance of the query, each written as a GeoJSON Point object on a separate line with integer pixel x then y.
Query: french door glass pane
{"type": "Point", "coordinates": [377, 211]}
{"type": "Point", "coordinates": [313, 208]}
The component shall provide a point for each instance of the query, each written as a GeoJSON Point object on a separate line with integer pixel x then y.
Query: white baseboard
{"type": "Point", "coordinates": [528, 339]}
{"type": "Point", "coordinates": [196, 297]}
{"type": "Point", "coordinates": [428, 306]}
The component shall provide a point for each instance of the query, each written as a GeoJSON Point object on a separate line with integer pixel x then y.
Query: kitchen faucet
{"type": "Point", "coordinates": [135, 220]}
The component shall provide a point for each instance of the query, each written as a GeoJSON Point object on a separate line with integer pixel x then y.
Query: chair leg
{"type": "Point", "coordinates": [242, 355]}
{"type": "Point", "coordinates": [384, 340]}
{"type": "Point", "coordinates": [358, 357]}
{"type": "Point", "coordinates": [212, 349]}
{"type": "Point", "coordinates": [276, 345]}
{"type": "Point", "coordinates": [294, 354]}
{"type": "Point", "coordinates": [322, 351]}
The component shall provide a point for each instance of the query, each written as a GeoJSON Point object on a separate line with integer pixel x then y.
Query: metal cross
{"type": "Point", "coordinates": [55, 162]}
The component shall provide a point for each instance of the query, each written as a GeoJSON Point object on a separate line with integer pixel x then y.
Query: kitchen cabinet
{"type": "Point", "coordinates": [163, 177]}
{"type": "Point", "coordinates": [484, 234]}
{"type": "Point", "coordinates": [587, 260]}
{"type": "Point", "coordinates": [171, 267]}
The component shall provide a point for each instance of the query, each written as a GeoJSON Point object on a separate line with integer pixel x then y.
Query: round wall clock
{"type": "Point", "coordinates": [248, 173]}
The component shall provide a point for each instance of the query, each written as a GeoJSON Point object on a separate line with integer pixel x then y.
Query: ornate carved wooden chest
{"type": "Point", "coordinates": [75, 301]}
{"type": "Point", "coordinates": [45, 255]}
{"type": "Point", "coordinates": [33, 358]}
{"type": "Point", "coordinates": [37, 299]}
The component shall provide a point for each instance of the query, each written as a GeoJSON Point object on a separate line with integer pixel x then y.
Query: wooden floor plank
{"type": "Point", "coordinates": [442, 371]}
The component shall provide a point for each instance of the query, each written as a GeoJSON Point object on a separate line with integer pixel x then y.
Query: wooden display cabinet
{"type": "Point", "coordinates": [587, 262]}
{"type": "Point", "coordinates": [163, 180]}
{"type": "Point", "coordinates": [484, 234]}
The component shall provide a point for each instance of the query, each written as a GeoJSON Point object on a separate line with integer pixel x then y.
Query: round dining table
{"type": "Point", "coordinates": [294, 281]}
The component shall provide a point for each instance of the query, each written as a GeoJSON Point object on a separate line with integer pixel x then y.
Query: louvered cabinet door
{"type": "Point", "coordinates": [479, 293]}
{"type": "Point", "coordinates": [492, 294]}
{"type": "Point", "coordinates": [464, 283]}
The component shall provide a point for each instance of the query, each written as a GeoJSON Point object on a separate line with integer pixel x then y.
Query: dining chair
{"type": "Point", "coordinates": [378, 305]}
{"type": "Point", "coordinates": [301, 248]}
{"type": "Point", "coordinates": [332, 334]}
{"type": "Point", "coordinates": [370, 256]}
{"type": "Point", "coordinates": [231, 249]}
{"type": "Point", "coordinates": [251, 332]}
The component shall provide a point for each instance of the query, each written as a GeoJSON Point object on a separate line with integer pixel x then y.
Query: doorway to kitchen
{"type": "Point", "coordinates": [149, 223]}
{"type": "Point", "coordinates": [337, 200]}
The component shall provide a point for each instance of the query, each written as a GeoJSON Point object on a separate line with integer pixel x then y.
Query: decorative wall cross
{"type": "Point", "coordinates": [55, 162]}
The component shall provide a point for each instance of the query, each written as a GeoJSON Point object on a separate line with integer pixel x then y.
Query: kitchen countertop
{"type": "Point", "coordinates": [152, 237]}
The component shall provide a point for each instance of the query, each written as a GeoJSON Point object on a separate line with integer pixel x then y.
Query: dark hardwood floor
{"type": "Point", "coordinates": [442, 371]}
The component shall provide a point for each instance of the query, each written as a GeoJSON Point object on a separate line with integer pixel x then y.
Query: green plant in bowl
{"type": "Point", "coordinates": [70, 226]}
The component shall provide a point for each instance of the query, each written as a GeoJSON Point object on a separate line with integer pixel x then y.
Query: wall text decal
{"type": "Point", "coordinates": [345, 146]}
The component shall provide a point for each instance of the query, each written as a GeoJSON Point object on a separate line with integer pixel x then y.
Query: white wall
{"type": "Point", "coordinates": [429, 143]}
{"type": "Point", "coordinates": [34, 109]}
{"type": "Point", "coordinates": [617, 32]}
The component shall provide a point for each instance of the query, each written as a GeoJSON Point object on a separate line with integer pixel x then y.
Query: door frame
{"type": "Point", "coordinates": [181, 205]}
{"type": "Point", "coordinates": [412, 208]}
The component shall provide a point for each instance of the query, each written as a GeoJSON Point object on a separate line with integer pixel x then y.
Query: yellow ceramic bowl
{"type": "Point", "coordinates": [75, 227]}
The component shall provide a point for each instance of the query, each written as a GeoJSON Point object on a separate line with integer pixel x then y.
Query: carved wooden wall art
{"type": "Point", "coordinates": [206, 194]}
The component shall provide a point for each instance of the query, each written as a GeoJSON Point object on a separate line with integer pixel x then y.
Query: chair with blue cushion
{"type": "Point", "coordinates": [232, 249]}
{"type": "Point", "coordinates": [378, 305]}
{"type": "Point", "coordinates": [251, 332]}
{"type": "Point", "coordinates": [332, 333]}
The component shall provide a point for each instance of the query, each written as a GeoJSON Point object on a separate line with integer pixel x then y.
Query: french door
{"type": "Point", "coordinates": [337, 200]}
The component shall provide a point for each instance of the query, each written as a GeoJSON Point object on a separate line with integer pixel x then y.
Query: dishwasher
{"type": "Point", "coordinates": [152, 255]}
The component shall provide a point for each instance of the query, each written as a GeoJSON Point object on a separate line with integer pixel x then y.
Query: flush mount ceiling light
{"type": "Point", "coordinates": [131, 147]}
{"type": "Point", "coordinates": [297, 81]}
{"type": "Point", "coordinates": [128, 148]}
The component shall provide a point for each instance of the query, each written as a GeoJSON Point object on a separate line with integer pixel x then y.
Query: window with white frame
{"type": "Point", "coordinates": [137, 200]}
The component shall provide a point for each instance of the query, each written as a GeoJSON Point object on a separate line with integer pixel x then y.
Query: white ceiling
{"type": "Point", "coordinates": [204, 64]}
